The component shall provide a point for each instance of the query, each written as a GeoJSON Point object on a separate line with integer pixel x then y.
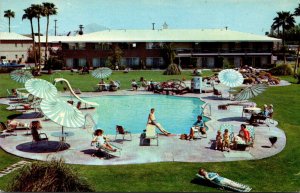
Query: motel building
{"type": "Point", "coordinates": [204, 48]}
{"type": "Point", "coordinates": [14, 47]}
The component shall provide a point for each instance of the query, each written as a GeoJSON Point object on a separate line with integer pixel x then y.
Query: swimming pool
{"type": "Point", "coordinates": [175, 114]}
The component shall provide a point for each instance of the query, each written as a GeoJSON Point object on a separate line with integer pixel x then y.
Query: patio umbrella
{"type": "Point", "coordinates": [102, 73]}
{"type": "Point", "coordinates": [40, 88]}
{"type": "Point", "coordinates": [21, 76]}
{"type": "Point", "coordinates": [251, 92]}
{"type": "Point", "coordinates": [231, 78]}
{"type": "Point", "coordinates": [62, 113]}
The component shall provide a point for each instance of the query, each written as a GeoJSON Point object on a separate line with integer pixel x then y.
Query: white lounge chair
{"type": "Point", "coordinates": [150, 133]}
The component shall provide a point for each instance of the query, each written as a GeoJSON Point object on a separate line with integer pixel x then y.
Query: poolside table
{"type": "Point", "coordinates": [62, 139]}
{"type": "Point", "coordinates": [253, 109]}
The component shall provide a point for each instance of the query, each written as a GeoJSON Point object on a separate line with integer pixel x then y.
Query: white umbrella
{"type": "Point", "coordinates": [40, 88]}
{"type": "Point", "coordinates": [102, 73]}
{"type": "Point", "coordinates": [231, 78]}
{"type": "Point", "coordinates": [21, 76]}
{"type": "Point", "coordinates": [62, 113]}
{"type": "Point", "coordinates": [251, 92]}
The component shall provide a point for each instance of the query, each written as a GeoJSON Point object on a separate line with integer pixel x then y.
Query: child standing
{"type": "Point", "coordinates": [219, 143]}
{"type": "Point", "coordinates": [226, 140]}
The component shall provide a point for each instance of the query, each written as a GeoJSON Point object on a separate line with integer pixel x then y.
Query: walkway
{"type": "Point", "coordinates": [169, 149]}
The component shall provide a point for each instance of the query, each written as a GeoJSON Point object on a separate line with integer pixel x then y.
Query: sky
{"type": "Point", "coordinates": [252, 16]}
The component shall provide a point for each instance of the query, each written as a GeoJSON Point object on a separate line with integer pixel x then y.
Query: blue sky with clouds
{"type": "Point", "coordinates": [253, 16]}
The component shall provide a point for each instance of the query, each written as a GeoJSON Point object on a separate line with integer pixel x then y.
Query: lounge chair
{"type": "Point", "coordinates": [10, 94]}
{"type": "Point", "coordinates": [244, 188]}
{"type": "Point", "coordinates": [6, 131]}
{"type": "Point", "coordinates": [217, 92]}
{"type": "Point", "coordinates": [120, 130]}
{"type": "Point", "coordinates": [38, 137]}
{"type": "Point", "coordinates": [78, 106]}
{"type": "Point", "coordinates": [198, 132]}
{"type": "Point", "coordinates": [246, 146]}
{"type": "Point", "coordinates": [222, 129]}
{"type": "Point", "coordinates": [108, 153]}
{"type": "Point", "coordinates": [150, 134]}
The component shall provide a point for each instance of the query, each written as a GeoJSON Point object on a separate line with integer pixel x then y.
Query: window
{"type": "Point", "coordinates": [154, 62]}
{"type": "Point", "coordinates": [97, 62]}
{"type": "Point", "coordinates": [156, 45]}
{"type": "Point", "coordinates": [135, 61]}
{"type": "Point", "coordinates": [80, 46]}
{"type": "Point", "coordinates": [82, 62]}
{"type": "Point", "coordinates": [102, 46]}
{"type": "Point", "coordinates": [69, 62]}
{"type": "Point", "coordinates": [16, 45]}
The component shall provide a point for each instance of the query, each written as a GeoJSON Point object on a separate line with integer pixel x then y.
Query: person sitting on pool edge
{"type": "Point", "coordinates": [103, 141]}
{"type": "Point", "coordinates": [199, 126]}
{"type": "Point", "coordinates": [152, 121]}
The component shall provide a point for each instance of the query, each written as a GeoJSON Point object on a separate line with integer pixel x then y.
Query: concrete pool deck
{"type": "Point", "coordinates": [169, 149]}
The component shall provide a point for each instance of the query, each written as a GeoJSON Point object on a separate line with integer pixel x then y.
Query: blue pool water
{"type": "Point", "coordinates": [175, 114]}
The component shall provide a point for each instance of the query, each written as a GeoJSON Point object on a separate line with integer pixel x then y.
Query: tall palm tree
{"type": "Point", "coordinates": [297, 13]}
{"type": "Point", "coordinates": [9, 14]}
{"type": "Point", "coordinates": [49, 9]}
{"type": "Point", "coordinates": [286, 21]}
{"type": "Point", "coordinates": [297, 10]}
{"type": "Point", "coordinates": [38, 10]}
{"type": "Point", "coordinates": [29, 14]}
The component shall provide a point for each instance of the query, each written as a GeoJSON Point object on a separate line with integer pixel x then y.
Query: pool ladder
{"type": "Point", "coordinates": [207, 105]}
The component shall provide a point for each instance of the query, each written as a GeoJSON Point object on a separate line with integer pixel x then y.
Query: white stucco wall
{"type": "Point", "coordinates": [14, 51]}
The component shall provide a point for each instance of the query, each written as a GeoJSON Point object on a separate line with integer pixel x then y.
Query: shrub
{"type": "Point", "coordinates": [227, 64]}
{"type": "Point", "coordinates": [282, 70]}
{"type": "Point", "coordinates": [172, 69]}
{"type": "Point", "coordinates": [53, 176]}
{"type": "Point", "coordinates": [54, 63]}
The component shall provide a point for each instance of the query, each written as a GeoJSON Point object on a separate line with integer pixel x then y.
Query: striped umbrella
{"type": "Point", "coordinates": [102, 73]}
{"type": "Point", "coordinates": [62, 113]}
{"type": "Point", "coordinates": [231, 78]}
{"type": "Point", "coordinates": [21, 76]}
{"type": "Point", "coordinates": [40, 88]}
{"type": "Point", "coordinates": [251, 92]}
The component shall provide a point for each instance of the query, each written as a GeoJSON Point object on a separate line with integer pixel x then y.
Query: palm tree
{"type": "Point", "coordinates": [38, 10]}
{"type": "Point", "coordinates": [29, 14]}
{"type": "Point", "coordinates": [49, 9]}
{"type": "Point", "coordinates": [9, 14]}
{"type": "Point", "coordinates": [297, 11]}
{"type": "Point", "coordinates": [286, 21]}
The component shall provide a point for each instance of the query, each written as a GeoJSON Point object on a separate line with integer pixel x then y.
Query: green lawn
{"type": "Point", "coordinates": [87, 82]}
{"type": "Point", "coordinates": [278, 173]}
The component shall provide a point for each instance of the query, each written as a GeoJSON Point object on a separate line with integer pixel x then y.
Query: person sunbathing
{"type": "Point", "coordinates": [101, 140]}
{"type": "Point", "coordinates": [221, 181]}
{"type": "Point", "coordinates": [13, 124]}
{"type": "Point", "coordinates": [152, 121]}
